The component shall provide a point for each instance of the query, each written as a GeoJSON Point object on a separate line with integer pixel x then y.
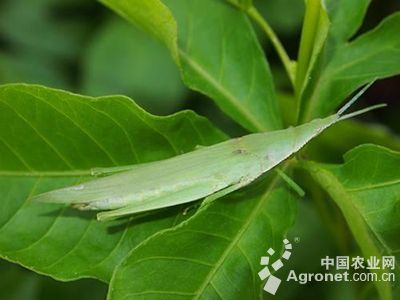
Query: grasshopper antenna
{"type": "Point", "coordinates": [355, 98]}
{"type": "Point", "coordinates": [362, 111]}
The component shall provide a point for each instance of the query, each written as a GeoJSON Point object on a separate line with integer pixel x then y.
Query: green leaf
{"type": "Point", "coordinates": [17, 283]}
{"type": "Point", "coordinates": [346, 17]}
{"type": "Point", "coordinates": [345, 66]}
{"type": "Point", "coordinates": [213, 255]}
{"type": "Point", "coordinates": [366, 188]}
{"type": "Point", "coordinates": [221, 57]}
{"type": "Point", "coordinates": [50, 139]}
{"type": "Point", "coordinates": [123, 60]}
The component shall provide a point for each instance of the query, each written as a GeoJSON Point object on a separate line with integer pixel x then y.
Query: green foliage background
{"type": "Point", "coordinates": [212, 57]}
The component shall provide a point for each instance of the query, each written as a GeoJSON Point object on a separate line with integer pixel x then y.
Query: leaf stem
{"type": "Point", "coordinates": [286, 61]}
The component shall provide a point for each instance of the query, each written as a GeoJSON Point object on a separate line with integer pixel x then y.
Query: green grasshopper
{"type": "Point", "coordinates": [209, 172]}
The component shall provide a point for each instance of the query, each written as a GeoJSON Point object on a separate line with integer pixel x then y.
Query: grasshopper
{"type": "Point", "coordinates": [208, 172]}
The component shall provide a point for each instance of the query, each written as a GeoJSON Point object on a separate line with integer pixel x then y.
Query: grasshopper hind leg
{"type": "Point", "coordinates": [190, 193]}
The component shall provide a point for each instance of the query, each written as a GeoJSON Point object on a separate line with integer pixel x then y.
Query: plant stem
{"type": "Point", "coordinates": [308, 34]}
{"type": "Point", "coordinates": [287, 63]}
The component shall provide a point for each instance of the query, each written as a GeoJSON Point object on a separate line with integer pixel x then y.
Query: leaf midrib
{"type": "Point", "coordinates": [374, 186]}
{"type": "Point", "coordinates": [232, 99]}
{"type": "Point", "coordinates": [234, 242]}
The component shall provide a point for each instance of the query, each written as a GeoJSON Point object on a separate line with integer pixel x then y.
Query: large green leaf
{"type": "Point", "coordinates": [366, 188]}
{"type": "Point", "coordinates": [124, 60]}
{"type": "Point", "coordinates": [50, 139]}
{"type": "Point", "coordinates": [344, 66]}
{"type": "Point", "coordinates": [213, 255]}
{"type": "Point", "coordinates": [220, 57]}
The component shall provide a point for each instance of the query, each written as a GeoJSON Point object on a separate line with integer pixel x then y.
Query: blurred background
{"type": "Point", "coordinates": [80, 46]}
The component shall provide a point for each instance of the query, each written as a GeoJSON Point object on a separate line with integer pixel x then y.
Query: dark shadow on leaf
{"type": "Point", "coordinates": [69, 212]}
